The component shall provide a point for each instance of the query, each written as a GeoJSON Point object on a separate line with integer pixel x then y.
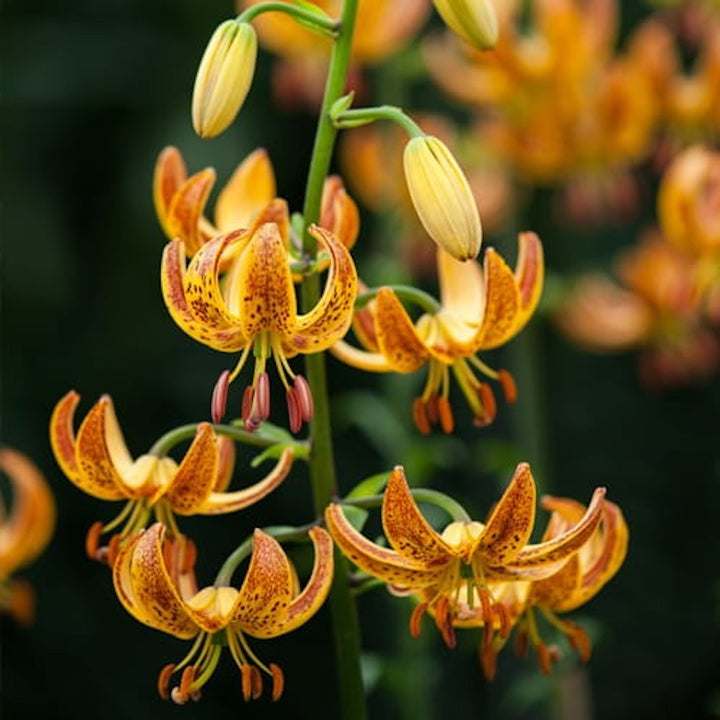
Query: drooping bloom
{"type": "Point", "coordinates": [480, 309]}
{"type": "Point", "coordinates": [475, 21]}
{"type": "Point", "coordinates": [224, 77]}
{"type": "Point", "coordinates": [98, 462]}
{"type": "Point", "coordinates": [24, 531]}
{"type": "Point", "coordinates": [463, 573]}
{"type": "Point", "coordinates": [268, 604]}
{"type": "Point", "coordinates": [180, 201]}
{"type": "Point", "coordinates": [254, 308]}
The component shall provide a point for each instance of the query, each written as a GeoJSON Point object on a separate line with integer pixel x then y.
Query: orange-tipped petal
{"type": "Point", "coordinates": [31, 522]}
{"type": "Point", "coordinates": [249, 190]}
{"type": "Point", "coordinates": [62, 434]}
{"type": "Point", "coordinates": [186, 210]}
{"type": "Point", "coordinates": [225, 502]}
{"type": "Point", "coordinates": [267, 590]}
{"type": "Point", "coordinates": [226, 463]}
{"type": "Point", "coordinates": [529, 275]}
{"type": "Point", "coordinates": [330, 319]}
{"type": "Point", "coordinates": [339, 214]}
{"type": "Point", "coordinates": [144, 587]}
{"type": "Point", "coordinates": [407, 531]}
{"type": "Point", "coordinates": [388, 565]}
{"type": "Point", "coordinates": [509, 526]}
{"type": "Point", "coordinates": [194, 480]}
{"type": "Point", "coordinates": [170, 174]}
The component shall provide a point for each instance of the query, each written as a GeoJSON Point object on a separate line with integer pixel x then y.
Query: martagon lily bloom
{"type": "Point", "coordinates": [460, 575]}
{"type": "Point", "coordinates": [24, 531]}
{"type": "Point", "coordinates": [480, 309]}
{"type": "Point", "coordinates": [98, 462]}
{"type": "Point", "coordinates": [254, 307]}
{"type": "Point", "coordinates": [268, 604]}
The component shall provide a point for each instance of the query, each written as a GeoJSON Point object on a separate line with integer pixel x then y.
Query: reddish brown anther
{"type": "Point", "coordinates": [293, 408]}
{"type": "Point", "coordinates": [163, 682]}
{"type": "Point", "coordinates": [256, 403]}
{"type": "Point", "coordinates": [305, 398]}
{"type": "Point", "coordinates": [487, 400]}
{"type": "Point", "coordinates": [246, 680]}
{"type": "Point", "coordinates": [507, 381]}
{"type": "Point", "coordinates": [416, 618]}
{"type": "Point", "coordinates": [488, 661]}
{"type": "Point", "coordinates": [521, 642]}
{"type": "Point", "coordinates": [92, 542]}
{"type": "Point", "coordinates": [278, 681]}
{"type": "Point", "coordinates": [487, 610]}
{"type": "Point", "coordinates": [443, 619]}
{"type": "Point", "coordinates": [256, 682]}
{"type": "Point", "coordinates": [579, 640]}
{"type": "Point", "coordinates": [112, 549]}
{"type": "Point", "coordinates": [445, 415]}
{"type": "Point", "coordinates": [503, 615]}
{"type": "Point", "coordinates": [544, 659]}
{"type": "Point", "coordinates": [420, 417]}
{"type": "Point", "coordinates": [219, 397]}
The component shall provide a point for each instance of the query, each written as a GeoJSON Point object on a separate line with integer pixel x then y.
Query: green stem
{"type": "Point", "coordinates": [346, 628]}
{"type": "Point", "coordinates": [363, 116]}
{"type": "Point", "coordinates": [404, 292]}
{"type": "Point", "coordinates": [451, 507]}
{"type": "Point", "coordinates": [308, 18]}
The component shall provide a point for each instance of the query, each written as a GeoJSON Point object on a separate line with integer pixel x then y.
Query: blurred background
{"type": "Point", "coordinates": [92, 93]}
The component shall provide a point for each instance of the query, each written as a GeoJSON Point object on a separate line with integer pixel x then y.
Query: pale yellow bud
{"type": "Point", "coordinates": [223, 78]}
{"type": "Point", "coordinates": [474, 21]}
{"type": "Point", "coordinates": [442, 197]}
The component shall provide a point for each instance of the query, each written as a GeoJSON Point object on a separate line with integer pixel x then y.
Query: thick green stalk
{"type": "Point", "coordinates": [346, 629]}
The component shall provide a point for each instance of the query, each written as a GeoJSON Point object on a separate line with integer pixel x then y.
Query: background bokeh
{"type": "Point", "coordinates": [92, 92]}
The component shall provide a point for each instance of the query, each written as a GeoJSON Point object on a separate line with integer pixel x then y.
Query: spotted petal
{"type": "Point", "coordinates": [62, 434]}
{"type": "Point", "coordinates": [144, 587]}
{"type": "Point", "coordinates": [529, 275]}
{"type": "Point", "coordinates": [407, 531]}
{"type": "Point", "coordinates": [170, 174]}
{"type": "Point", "coordinates": [185, 216]}
{"type": "Point", "coordinates": [388, 565]}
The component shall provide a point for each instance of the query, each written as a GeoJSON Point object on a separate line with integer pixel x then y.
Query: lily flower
{"type": "Point", "coordinates": [255, 308]}
{"type": "Point", "coordinates": [180, 200]}
{"type": "Point", "coordinates": [24, 531]}
{"type": "Point", "coordinates": [480, 309]}
{"type": "Point", "coordinates": [462, 571]}
{"type": "Point", "coordinates": [97, 460]}
{"type": "Point", "coordinates": [268, 604]}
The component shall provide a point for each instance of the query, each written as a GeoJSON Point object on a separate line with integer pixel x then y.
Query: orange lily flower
{"type": "Point", "coordinates": [255, 307]}
{"type": "Point", "coordinates": [480, 309]}
{"type": "Point", "coordinates": [24, 531]}
{"type": "Point", "coordinates": [469, 564]}
{"type": "Point", "coordinates": [180, 200]}
{"type": "Point", "coordinates": [98, 462]}
{"type": "Point", "coordinates": [269, 603]}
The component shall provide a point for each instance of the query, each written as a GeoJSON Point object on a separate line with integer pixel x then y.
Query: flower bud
{"type": "Point", "coordinates": [442, 197]}
{"type": "Point", "coordinates": [474, 21]}
{"type": "Point", "coordinates": [223, 78]}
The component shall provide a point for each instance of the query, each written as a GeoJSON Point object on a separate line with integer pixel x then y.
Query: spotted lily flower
{"type": "Point", "coordinates": [98, 462]}
{"type": "Point", "coordinates": [254, 308]}
{"type": "Point", "coordinates": [268, 604]}
{"type": "Point", "coordinates": [480, 309]}
{"type": "Point", "coordinates": [463, 570]}
{"type": "Point", "coordinates": [24, 531]}
{"type": "Point", "coordinates": [180, 200]}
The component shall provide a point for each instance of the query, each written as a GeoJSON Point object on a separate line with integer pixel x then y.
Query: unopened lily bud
{"type": "Point", "coordinates": [223, 78]}
{"type": "Point", "coordinates": [442, 197]}
{"type": "Point", "coordinates": [474, 21]}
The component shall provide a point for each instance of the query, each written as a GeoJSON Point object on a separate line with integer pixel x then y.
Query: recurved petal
{"type": "Point", "coordinates": [101, 453]}
{"type": "Point", "coordinates": [502, 303]}
{"type": "Point", "coordinates": [226, 463]}
{"type": "Point", "coordinates": [368, 361]}
{"type": "Point", "coordinates": [31, 522]}
{"type": "Point", "coordinates": [339, 214]}
{"type": "Point", "coordinates": [267, 590]}
{"type": "Point", "coordinates": [529, 275]}
{"type": "Point", "coordinates": [249, 190]}
{"type": "Point", "coordinates": [62, 434]}
{"type": "Point", "coordinates": [330, 319]}
{"type": "Point", "coordinates": [551, 592]}
{"type": "Point", "coordinates": [170, 174]}
{"type": "Point", "coordinates": [313, 595]}
{"type": "Point", "coordinates": [407, 531]}
{"type": "Point", "coordinates": [186, 210]}
{"type": "Point", "coordinates": [511, 522]}
{"type": "Point", "coordinates": [194, 480]}
{"type": "Point", "coordinates": [144, 587]}
{"type": "Point", "coordinates": [387, 565]}
{"type": "Point", "coordinates": [397, 338]}
{"type": "Point", "coordinates": [217, 503]}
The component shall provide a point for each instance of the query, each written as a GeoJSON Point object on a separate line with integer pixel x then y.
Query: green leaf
{"type": "Point", "coordinates": [357, 517]}
{"type": "Point", "coordinates": [370, 486]}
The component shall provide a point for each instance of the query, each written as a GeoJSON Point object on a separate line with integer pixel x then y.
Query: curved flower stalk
{"type": "Point", "coordinates": [254, 307]}
{"type": "Point", "coordinates": [98, 462]}
{"type": "Point", "coordinates": [479, 309]}
{"type": "Point", "coordinates": [269, 603]}
{"type": "Point", "coordinates": [24, 531]}
{"type": "Point", "coordinates": [472, 573]}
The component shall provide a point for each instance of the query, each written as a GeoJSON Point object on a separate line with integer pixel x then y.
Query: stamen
{"type": "Point", "coordinates": [432, 408]}
{"type": "Point", "coordinates": [416, 618]}
{"type": "Point", "coordinates": [305, 398]}
{"type": "Point", "coordinates": [488, 661]}
{"type": "Point", "coordinates": [579, 640]}
{"type": "Point", "coordinates": [443, 619]}
{"type": "Point", "coordinates": [505, 621]}
{"type": "Point", "coordinates": [487, 399]}
{"type": "Point", "coordinates": [240, 363]}
{"type": "Point", "coordinates": [260, 404]}
{"type": "Point", "coordinates": [113, 549]}
{"type": "Point", "coordinates": [246, 403]}
{"type": "Point", "coordinates": [507, 381]}
{"type": "Point", "coordinates": [278, 681]}
{"type": "Point", "coordinates": [293, 407]}
{"type": "Point", "coordinates": [544, 658]}
{"type": "Point", "coordinates": [420, 417]}
{"type": "Point", "coordinates": [256, 681]}
{"type": "Point", "coordinates": [164, 681]}
{"type": "Point", "coordinates": [246, 680]}
{"type": "Point", "coordinates": [521, 642]}
{"type": "Point", "coordinates": [92, 541]}
{"type": "Point", "coordinates": [447, 422]}
{"type": "Point", "coordinates": [488, 630]}
{"type": "Point", "coordinates": [218, 402]}
{"type": "Point", "coordinates": [181, 693]}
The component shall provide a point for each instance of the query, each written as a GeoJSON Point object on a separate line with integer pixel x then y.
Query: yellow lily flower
{"type": "Point", "coordinates": [24, 531]}
{"type": "Point", "coordinates": [97, 460]}
{"type": "Point", "coordinates": [268, 604]}
{"type": "Point", "coordinates": [180, 200]}
{"type": "Point", "coordinates": [255, 308]}
{"type": "Point", "coordinates": [480, 309]}
{"type": "Point", "coordinates": [464, 570]}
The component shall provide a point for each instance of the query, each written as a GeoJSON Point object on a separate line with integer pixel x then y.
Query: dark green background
{"type": "Point", "coordinates": [92, 91]}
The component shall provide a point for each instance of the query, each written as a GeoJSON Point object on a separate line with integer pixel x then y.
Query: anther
{"type": "Point", "coordinates": [544, 659]}
{"type": "Point", "coordinates": [305, 398]}
{"type": "Point", "coordinates": [219, 397]}
{"type": "Point", "coordinates": [261, 398]}
{"type": "Point", "coordinates": [278, 681]}
{"type": "Point", "coordinates": [186, 680]}
{"type": "Point", "coordinates": [579, 640]}
{"type": "Point", "coordinates": [521, 642]}
{"type": "Point", "coordinates": [447, 423]}
{"type": "Point", "coordinates": [443, 619]}
{"type": "Point", "coordinates": [503, 614]}
{"type": "Point", "coordinates": [432, 408]}
{"type": "Point", "coordinates": [256, 682]}
{"type": "Point", "coordinates": [416, 618]}
{"type": "Point", "coordinates": [488, 661]}
{"type": "Point", "coordinates": [164, 681]}
{"type": "Point", "coordinates": [487, 400]}
{"type": "Point", "coordinates": [420, 416]}
{"type": "Point", "coordinates": [293, 407]}
{"type": "Point", "coordinates": [507, 381]}
{"type": "Point", "coordinates": [92, 541]}
{"type": "Point", "coordinates": [246, 680]}
{"type": "Point", "coordinates": [113, 549]}
{"type": "Point", "coordinates": [246, 403]}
